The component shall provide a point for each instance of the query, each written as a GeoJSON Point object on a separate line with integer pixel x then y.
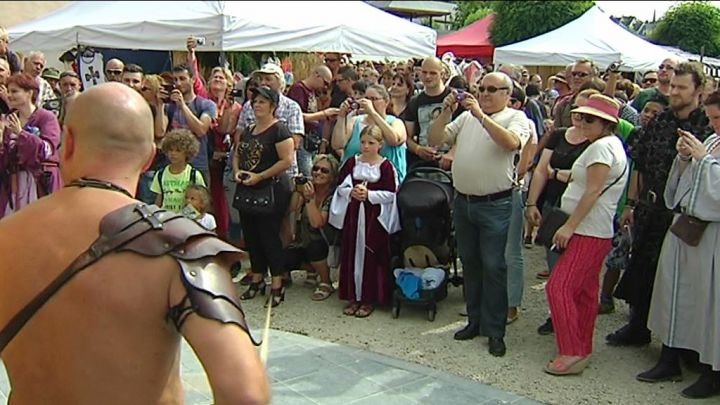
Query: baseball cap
{"type": "Point", "coordinates": [272, 69]}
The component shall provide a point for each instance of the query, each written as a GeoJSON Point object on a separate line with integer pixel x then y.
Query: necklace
{"type": "Point", "coordinates": [95, 183]}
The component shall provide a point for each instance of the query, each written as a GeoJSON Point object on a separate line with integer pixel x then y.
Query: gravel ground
{"type": "Point", "coordinates": [610, 378]}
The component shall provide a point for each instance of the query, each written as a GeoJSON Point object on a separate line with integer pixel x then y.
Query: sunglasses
{"type": "Point", "coordinates": [374, 98]}
{"type": "Point", "coordinates": [580, 74]}
{"type": "Point", "coordinates": [589, 119]}
{"type": "Point", "coordinates": [666, 67]}
{"type": "Point", "coordinates": [491, 89]}
{"type": "Point", "coordinates": [649, 80]}
{"type": "Point", "coordinates": [323, 170]}
{"type": "Point", "coordinates": [114, 72]}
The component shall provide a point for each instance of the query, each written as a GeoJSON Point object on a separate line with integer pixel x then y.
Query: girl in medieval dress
{"type": "Point", "coordinates": [29, 141]}
{"type": "Point", "coordinates": [364, 208]}
{"type": "Point", "coordinates": [685, 307]}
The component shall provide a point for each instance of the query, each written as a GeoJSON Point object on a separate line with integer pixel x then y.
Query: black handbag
{"type": "Point", "coordinates": [552, 221]}
{"type": "Point", "coordinates": [555, 218]}
{"type": "Point", "coordinates": [255, 200]}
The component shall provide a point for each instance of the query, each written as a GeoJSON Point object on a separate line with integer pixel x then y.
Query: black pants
{"type": "Point", "coordinates": [262, 238]}
{"type": "Point", "coordinates": [636, 284]}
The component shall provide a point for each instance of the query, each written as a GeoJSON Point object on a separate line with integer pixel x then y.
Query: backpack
{"type": "Point", "coordinates": [193, 178]}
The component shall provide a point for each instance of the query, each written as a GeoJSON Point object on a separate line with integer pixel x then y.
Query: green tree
{"type": "Point", "coordinates": [470, 11]}
{"type": "Point", "coordinates": [519, 20]}
{"type": "Point", "coordinates": [690, 26]}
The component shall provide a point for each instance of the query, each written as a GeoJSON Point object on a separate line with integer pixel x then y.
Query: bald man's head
{"type": "Point", "coordinates": [113, 125]}
{"type": "Point", "coordinates": [431, 75]}
{"type": "Point", "coordinates": [114, 69]}
{"type": "Point", "coordinates": [320, 78]}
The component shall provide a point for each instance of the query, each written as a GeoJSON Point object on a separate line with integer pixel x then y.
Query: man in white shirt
{"type": "Point", "coordinates": [488, 135]}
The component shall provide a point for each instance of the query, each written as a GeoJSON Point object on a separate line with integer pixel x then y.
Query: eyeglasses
{"type": "Point", "coordinates": [374, 98]}
{"type": "Point", "coordinates": [649, 80]}
{"type": "Point", "coordinates": [586, 117]}
{"type": "Point", "coordinates": [113, 72]}
{"type": "Point", "coordinates": [666, 67]}
{"type": "Point", "coordinates": [491, 89]}
{"type": "Point", "coordinates": [323, 170]}
{"type": "Point", "coordinates": [580, 74]}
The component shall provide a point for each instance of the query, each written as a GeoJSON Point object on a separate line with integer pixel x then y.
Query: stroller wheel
{"type": "Point", "coordinates": [396, 310]}
{"type": "Point", "coordinates": [431, 313]}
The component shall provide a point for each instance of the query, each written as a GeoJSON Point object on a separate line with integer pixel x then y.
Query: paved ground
{"type": "Point", "coordinates": [310, 371]}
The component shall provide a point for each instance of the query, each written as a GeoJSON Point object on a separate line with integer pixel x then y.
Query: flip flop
{"type": "Point", "coordinates": [364, 311]}
{"type": "Point", "coordinates": [351, 309]}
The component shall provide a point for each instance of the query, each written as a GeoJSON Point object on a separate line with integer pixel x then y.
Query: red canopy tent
{"type": "Point", "coordinates": [472, 41]}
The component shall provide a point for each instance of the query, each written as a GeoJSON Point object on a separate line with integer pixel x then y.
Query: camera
{"type": "Point", "coordinates": [200, 41]}
{"type": "Point", "coordinates": [614, 67]}
{"type": "Point", "coordinates": [461, 96]}
{"type": "Point", "coordinates": [354, 105]}
{"type": "Point", "coordinates": [236, 93]}
{"type": "Point", "coordinates": [244, 176]}
{"type": "Point", "coordinates": [301, 180]}
{"type": "Point", "coordinates": [168, 88]}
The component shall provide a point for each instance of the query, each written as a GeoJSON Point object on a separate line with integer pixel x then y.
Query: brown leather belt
{"type": "Point", "coordinates": [487, 197]}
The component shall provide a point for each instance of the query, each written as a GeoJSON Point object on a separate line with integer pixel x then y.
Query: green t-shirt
{"type": "Point", "coordinates": [174, 186]}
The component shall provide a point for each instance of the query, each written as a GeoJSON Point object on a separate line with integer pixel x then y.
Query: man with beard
{"type": "Point", "coordinates": [653, 152]}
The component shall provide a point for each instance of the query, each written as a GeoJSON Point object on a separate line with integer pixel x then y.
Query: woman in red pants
{"type": "Point", "coordinates": [596, 182]}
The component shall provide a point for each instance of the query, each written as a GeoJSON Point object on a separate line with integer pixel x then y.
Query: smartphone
{"type": "Point", "coordinates": [168, 89]}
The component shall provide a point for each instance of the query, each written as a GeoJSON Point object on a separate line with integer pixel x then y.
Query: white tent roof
{"type": "Point", "coordinates": [306, 26]}
{"type": "Point", "coordinates": [593, 35]}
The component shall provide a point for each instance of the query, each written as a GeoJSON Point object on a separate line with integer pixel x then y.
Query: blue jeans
{"type": "Point", "coordinates": [304, 161]}
{"type": "Point", "coordinates": [481, 230]}
{"type": "Point", "coordinates": [144, 193]}
{"type": "Point", "coordinates": [513, 251]}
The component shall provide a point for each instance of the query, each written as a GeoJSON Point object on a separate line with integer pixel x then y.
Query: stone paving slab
{"type": "Point", "coordinates": [307, 371]}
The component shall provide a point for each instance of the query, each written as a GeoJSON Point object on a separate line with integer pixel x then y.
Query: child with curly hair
{"type": "Point", "coordinates": [170, 182]}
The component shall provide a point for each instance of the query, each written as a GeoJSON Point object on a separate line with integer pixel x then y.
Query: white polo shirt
{"type": "Point", "coordinates": [481, 166]}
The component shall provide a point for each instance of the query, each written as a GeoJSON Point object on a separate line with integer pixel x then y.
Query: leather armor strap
{"type": "Point", "coordinates": [125, 229]}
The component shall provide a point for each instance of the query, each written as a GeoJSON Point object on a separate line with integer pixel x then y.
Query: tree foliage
{"type": "Point", "coordinates": [690, 26]}
{"type": "Point", "coordinates": [477, 15]}
{"type": "Point", "coordinates": [519, 20]}
{"type": "Point", "coordinates": [470, 11]}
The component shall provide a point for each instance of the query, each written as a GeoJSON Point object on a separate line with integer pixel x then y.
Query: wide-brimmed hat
{"type": "Point", "coordinates": [600, 106]}
{"type": "Point", "coordinates": [559, 77]}
{"type": "Point", "coordinates": [268, 93]}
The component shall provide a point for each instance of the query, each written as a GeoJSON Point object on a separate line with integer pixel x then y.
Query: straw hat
{"type": "Point", "coordinates": [559, 77]}
{"type": "Point", "coordinates": [601, 106]}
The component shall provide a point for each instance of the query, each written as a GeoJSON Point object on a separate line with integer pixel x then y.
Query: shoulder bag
{"type": "Point", "coordinates": [555, 218]}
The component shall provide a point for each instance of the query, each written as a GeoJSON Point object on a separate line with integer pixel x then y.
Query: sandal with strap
{"type": "Point", "coordinates": [364, 311]}
{"type": "Point", "coordinates": [322, 292]}
{"type": "Point", "coordinates": [557, 367]}
{"type": "Point", "coordinates": [351, 309]}
{"type": "Point", "coordinates": [253, 290]}
{"type": "Point", "coordinates": [311, 279]}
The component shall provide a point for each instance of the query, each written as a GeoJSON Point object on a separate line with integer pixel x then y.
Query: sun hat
{"type": "Point", "coordinates": [600, 106]}
{"type": "Point", "coordinates": [271, 69]}
{"type": "Point", "coordinates": [559, 77]}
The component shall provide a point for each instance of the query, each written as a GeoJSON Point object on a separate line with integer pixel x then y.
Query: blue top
{"type": "Point", "coordinates": [395, 154]}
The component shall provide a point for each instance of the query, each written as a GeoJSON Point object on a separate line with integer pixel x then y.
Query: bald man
{"type": "Point", "coordinates": [114, 70]}
{"type": "Point", "coordinates": [111, 334]}
{"type": "Point", "coordinates": [419, 115]}
{"type": "Point", "coordinates": [303, 92]}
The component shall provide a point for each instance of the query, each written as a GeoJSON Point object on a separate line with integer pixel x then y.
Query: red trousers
{"type": "Point", "coordinates": [572, 293]}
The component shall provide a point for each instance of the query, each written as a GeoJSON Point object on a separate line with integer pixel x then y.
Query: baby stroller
{"type": "Point", "coordinates": [425, 201]}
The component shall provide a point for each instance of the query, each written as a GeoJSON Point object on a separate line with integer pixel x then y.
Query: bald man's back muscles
{"type": "Point", "coordinates": [106, 336]}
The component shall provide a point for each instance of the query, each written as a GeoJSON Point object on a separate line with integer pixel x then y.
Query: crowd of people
{"type": "Point", "coordinates": [622, 175]}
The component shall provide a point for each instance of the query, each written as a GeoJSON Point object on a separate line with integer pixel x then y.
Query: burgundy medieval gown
{"type": "Point", "coordinates": [366, 226]}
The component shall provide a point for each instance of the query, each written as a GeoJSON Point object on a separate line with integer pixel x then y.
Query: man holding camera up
{"type": "Point", "coordinates": [189, 111]}
{"type": "Point", "coordinates": [489, 135]}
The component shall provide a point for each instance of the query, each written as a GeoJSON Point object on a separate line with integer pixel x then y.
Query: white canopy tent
{"type": "Point", "coordinates": [593, 35]}
{"type": "Point", "coordinates": [308, 26]}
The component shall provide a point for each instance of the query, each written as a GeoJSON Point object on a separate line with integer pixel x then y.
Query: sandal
{"type": "Point", "coordinates": [364, 311]}
{"type": "Point", "coordinates": [557, 367]}
{"type": "Point", "coordinates": [351, 309]}
{"type": "Point", "coordinates": [322, 292]}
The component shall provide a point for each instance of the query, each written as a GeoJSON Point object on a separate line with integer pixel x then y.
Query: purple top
{"type": "Point", "coordinates": [25, 159]}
